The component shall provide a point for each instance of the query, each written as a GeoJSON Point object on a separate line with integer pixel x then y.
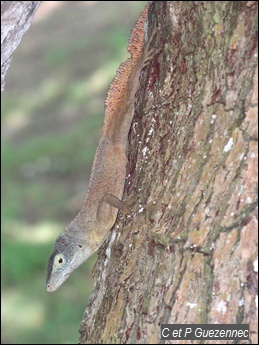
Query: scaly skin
{"type": "Point", "coordinates": [89, 229]}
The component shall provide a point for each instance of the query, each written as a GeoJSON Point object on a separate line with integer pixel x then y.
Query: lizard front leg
{"type": "Point", "coordinates": [113, 201]}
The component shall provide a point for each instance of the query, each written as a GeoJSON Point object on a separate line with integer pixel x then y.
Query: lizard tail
{"type": "Point", "coordinates": [118, 91]}
{"type": "Point", "coordinates": [137, 38]}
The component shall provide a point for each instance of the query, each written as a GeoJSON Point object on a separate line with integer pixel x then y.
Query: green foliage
{"type": "Point", "coordinates": [52, 113]}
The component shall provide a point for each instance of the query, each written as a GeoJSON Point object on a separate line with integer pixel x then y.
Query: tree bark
{"type": "Point", "coordinates": [16, 17]}
{"type": "Point", "coordinates": [188, 253]}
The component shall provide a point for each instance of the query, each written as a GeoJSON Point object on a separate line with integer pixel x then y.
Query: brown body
{"type": "Point", "coordinates": [107, 178]}
{"type": "Point", "coordinates": [89, 229]}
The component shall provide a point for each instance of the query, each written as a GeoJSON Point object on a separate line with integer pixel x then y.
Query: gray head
{"type": "Point", "coordinates": [69, 253]}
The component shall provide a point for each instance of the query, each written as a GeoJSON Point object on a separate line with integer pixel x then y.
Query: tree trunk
{"type": "Point", "coordinates": [16, 17]}
{"type": "Point", "coordinates": [188, 252]}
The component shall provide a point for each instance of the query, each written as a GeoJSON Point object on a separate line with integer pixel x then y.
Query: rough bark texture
{"type": "Point", "coordinates": [188, 252]}
{"type": "Point", "coordinates": [16, 17]}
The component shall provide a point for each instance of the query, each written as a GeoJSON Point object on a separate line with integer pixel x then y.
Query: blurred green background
{"type": "Point", "coordinates": [52, 114]}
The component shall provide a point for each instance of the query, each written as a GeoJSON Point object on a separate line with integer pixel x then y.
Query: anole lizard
{"type": "Point", "coordinates": [88, 230]}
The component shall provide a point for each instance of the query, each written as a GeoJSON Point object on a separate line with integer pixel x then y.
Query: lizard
{"type": "Point", "coordinates": [86, 233]}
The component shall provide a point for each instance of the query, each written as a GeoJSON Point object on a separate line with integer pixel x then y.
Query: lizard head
{"type": "Point", "coordinates": [69, 253]}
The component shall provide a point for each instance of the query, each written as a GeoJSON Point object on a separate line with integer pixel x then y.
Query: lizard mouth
{"type": "Point", "coordinates": [49, 288]}
{"type": "Point", "coordinates": [55, 285]}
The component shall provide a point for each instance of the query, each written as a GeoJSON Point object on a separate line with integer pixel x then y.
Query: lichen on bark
{"type": "Point", "coordinates": [186, 254]}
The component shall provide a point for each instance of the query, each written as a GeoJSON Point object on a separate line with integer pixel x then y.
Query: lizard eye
{"type": "Point", "coordinates": [59, 260]}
